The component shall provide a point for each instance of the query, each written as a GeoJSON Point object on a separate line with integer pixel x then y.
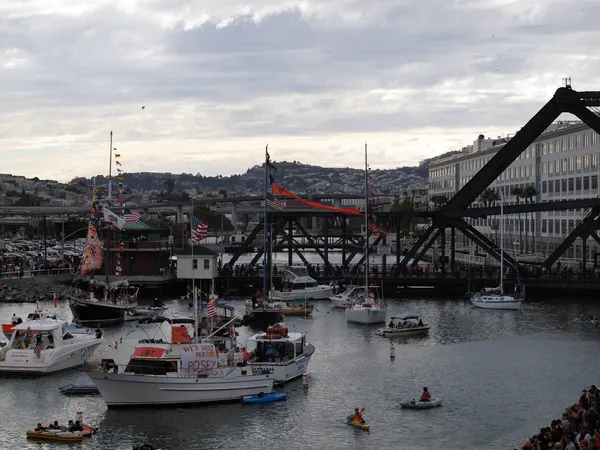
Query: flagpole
{"type": "Point", "coordinates": [110, 170]}
{"type": "Point", "coordinates": [266, 229]}
{"type": "Point", "coordinates": [194, 295]}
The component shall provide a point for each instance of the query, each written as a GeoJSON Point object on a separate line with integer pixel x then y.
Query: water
{"type": "Point", "coordinates": [501, 374]}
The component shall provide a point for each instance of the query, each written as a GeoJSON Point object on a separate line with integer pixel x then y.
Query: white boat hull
{"type": "Point", "coordinates": [395, 332]}
{"type": "Point", "coordinates": [287, 371]}
{"type": "Point", "coordinates": [124, 389]}
{"type": "Point", "coordinates": [506, 304]}
{"type": "Point", "coordinates": [321, 292]}
{"type": "Point", "coordinates": [339, 302]}
{"type": "Point", "coordinates": [365, 316]}
{"type": "Point", "coordinates": [50, 361]}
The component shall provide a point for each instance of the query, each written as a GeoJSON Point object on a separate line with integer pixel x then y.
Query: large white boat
{"type": "Point", "coordinates": [366, 312]}
{"type": "Point", "coordinates": [346, 298]}
{"type": "Point", "coordinates": [284, 354]}
{"type": "Point", "coordinates": [500, 300]}
{"type": "Point", "coordinates": [46, 345]}
{"type": "Point", "coordinates": [298, 285]}
{"type": "Point", "coordinates": [173, 370]}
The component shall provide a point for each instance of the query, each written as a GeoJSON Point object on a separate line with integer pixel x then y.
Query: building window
{"type": "Point", "coordinates": [206, 264]}
{"type": "Point", "coordinates": [544, 222]}
{"type": "Point", "coordinates": [571, 184]}
{"type": "Point", "coordinates": [557, 186]}
{"type": "Point", "coordinates": [550, 226]}
{"type": "Point", "coordinates": [544, 187]}
{"type": "Point", "coordinates": [586, 183]}
{"type": "Point", "coordinates": [563, 185]}
{"type": "Point", "coordinates": [194, 264]}
{"type": "Point", "coordinates": [594, 182]}
{"type": "Point", "coordinates": [594, 160]}
{"type": "Point", "coordinates": [586, 161]}
{"type": "Point", "coordinates": [577, 184]}
{"type": "Point", "coordinates": [578, 160]}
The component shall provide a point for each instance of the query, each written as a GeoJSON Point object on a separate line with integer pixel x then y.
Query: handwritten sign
{"type": "Point", "coordinates": [148, 352]}
{"type": "Point", "coordinates": [199, 359]}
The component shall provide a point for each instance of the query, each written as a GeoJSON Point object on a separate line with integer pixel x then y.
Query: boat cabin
{"type": "Point", "coordinates": [296, 278]}
{"type": "Point", "coordinates": [43, 334]}
{"type": "Point", "coordinates": [373, 297]}
{"type": "Point", "coordinates": [153, 360]}
{"type": "Point", "coordinates": [411, 321]}
{"type": "Point", "coordinates": [276, 345]}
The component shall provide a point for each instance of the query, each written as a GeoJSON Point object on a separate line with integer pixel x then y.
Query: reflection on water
{"type": "Point", "coordinates": [501, 374]}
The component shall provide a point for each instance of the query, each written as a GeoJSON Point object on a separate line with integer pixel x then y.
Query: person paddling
{"type": "Point", "coordinates": [425, 396]}
{"type": "Point", "coordinates": [357, 416]}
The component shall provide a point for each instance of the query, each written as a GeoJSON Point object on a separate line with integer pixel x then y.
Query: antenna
{"type": "Point", "coordinates": [567, 81]}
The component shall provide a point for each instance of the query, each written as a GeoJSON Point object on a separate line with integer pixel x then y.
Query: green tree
{"type": "Point", "coordinates": [489, 197]}
{"type": "Point", "coordinates": [406, 205]}
{"type": "Point", "coordinates": [170, 184]}
{"type": "Point", "coordinates": [438, 200]}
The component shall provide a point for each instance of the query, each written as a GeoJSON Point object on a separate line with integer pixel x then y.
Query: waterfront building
{"type": "Point", "coordinates": [561, 164]}
{"type": "Point", "coordinates": [201, 266]}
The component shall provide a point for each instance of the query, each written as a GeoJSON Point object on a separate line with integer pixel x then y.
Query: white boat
{"type": "Point", "coordinates": [344, 299]}
{"type": "Point", "coordinates": [413, 404]}
{"type": "Point", "coordinates": [404, 326]}
{"type": "Point", "coordinates": [368, 309]}
{"type": "Point", "coordinates": [46, 345]}
{"type": "Point", "coordinates": [298, 285]}
{"type": "Point", "coordinates": [292, 353]}
{"type": "Point", "coordinates": [174, 370]}
{"type": "Point", "coordinates": [498, 300]}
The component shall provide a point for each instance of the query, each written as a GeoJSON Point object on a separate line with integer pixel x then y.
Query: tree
{"type": "Point", "coordinates": [406, 224]}
{"type": "Point", "coordinates": [489, 197]}
{"type": "Point", "coordinates": [517, 192]}
{"type": "Point", "coordinates": [529, 192]}
{"type": "Point", "coordinates": [438, 200]}
{"type": "Point", "coordinates": [170, 184]}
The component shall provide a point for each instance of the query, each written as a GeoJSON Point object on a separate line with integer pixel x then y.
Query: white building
{"type": "Point", "coordinates": [562, 164]}
{"type": "Point", "coordinates": [202, 265]}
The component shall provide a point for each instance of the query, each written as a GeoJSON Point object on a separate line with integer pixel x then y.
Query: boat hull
{"type": "Point", "coordinates": [433, 403]}
{"type": "Point", "coordinates": [397, 332]}
{"type": "Point", "coordinates": [98, 313]}
{"type": "Point", "coordinates": [361, 426]}
{"type": "Point", "coordinates": [124, 389]}
{"type": "Point", "coordinates": [366, 316]}
{"type": "Point", "coordinates": [322, 292]}
{"type": "Point", "coordinates": [512, 304]}
{"type": "Point", "coordinates": [286, 371]}
{"type": "Point", "coordinates": [262, 317]}
{"type": "Point", "coordinates": [339, 302]}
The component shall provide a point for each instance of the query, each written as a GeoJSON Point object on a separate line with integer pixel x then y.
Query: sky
{"type": "Point", "coordinates": [313, 79]}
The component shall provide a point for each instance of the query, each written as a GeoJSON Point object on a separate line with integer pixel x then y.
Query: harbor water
{"type": "Point", "coordinates": [501, 374]}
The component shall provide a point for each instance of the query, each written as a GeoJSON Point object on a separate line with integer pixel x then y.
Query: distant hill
{"type": "Point", "coordinates": [300, 178]}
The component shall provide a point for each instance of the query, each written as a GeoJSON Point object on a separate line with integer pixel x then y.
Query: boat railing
{"type": "Point", "coordinates": [221, 371]}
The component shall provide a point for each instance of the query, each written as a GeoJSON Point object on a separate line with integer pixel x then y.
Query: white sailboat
{"type": "Point", "coordinates": [500, 300]}
{"type": "Point", "coordinates": [368, 309]}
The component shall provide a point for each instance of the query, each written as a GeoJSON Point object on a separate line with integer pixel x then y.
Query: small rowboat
{"type": "Point", "coordinates": [297, 311]}
{"type": "Point", "coordinates": [362, 426]}
{"type": "Point", "coordinates": [411, 404]}
{"type": "Point", "coordinates": [55, 435]}
{"type": "Point", "coordinates": [264, 398]}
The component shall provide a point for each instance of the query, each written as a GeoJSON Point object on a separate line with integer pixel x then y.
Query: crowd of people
{"type": "Point", "coordinates": [577, 429]}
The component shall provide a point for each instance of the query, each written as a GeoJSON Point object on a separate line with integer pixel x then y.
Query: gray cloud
{"type": "Point", "coordinates": [316, 79]}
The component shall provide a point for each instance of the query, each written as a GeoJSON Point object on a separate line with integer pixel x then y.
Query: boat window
{"type": "Point", "coordinates": [67, 335]}
{"type": "Point", "coordinates": [305, 285]}
{"type": "Point", "coordinates": [300, 347]}
{"type": "Point", "coordinates": [151, 366]}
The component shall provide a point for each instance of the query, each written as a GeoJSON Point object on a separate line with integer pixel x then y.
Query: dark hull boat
{"type": "Point", "coordinates": [262, 318]}
{"type": "Point", "coordinates": [100, 313]}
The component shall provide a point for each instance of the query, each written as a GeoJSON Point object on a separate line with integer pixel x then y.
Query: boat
{"type": "Point", "coordinates": [592, 320]}
{"type": "Point", "coordinates": [263, 314]}
{"type": "Point", "coordinates": [369, 308]}
{"type": "Point", "coordinates": [298, 285]}
{"type": "Point", "coordinates": [44, 346]}
{"type": "Point", "coordinates": [293, 310]}
{"type": "Point", "coordinates": [359, 425]}
{"type": "Point", "coordinates": [413, 404]}
{"type": "Point", "coordinates": [292, 353]}
{"type": "Point", "coordinates": [265, 398]}
{"type": "Point", "coordinates": [79, 389]}
{"type": "Point", "coordinates": [404, 326]}
{"type": "Point", "coordinates": [346, 298]}
{"type": "Point", "coordinates": [8, 328]}
{"type": "Point", "coordinates": [174, 368]}
{"type": "Point", "coordinates": [498, 300]}
{"type": "Point", "coordinates": [55, 435]}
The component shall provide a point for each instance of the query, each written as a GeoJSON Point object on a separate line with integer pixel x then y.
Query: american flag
{"type": "Point", "coordinates": [131, 216]}
{"type": "Point", "coordinates": [199, 230]}
{"type": "Point", "coordinates": [274, 203]}
{"type": "Point", "coordinates": [38, 351]}
{"type": "Point", "coordinates": [212, 309]}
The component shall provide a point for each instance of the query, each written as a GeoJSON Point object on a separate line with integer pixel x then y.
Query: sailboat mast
{"type": "Point", "coordinates": [501, 245]}
{"type": "Point", "coordinates": [110, 169]}
{"type": "Point", "coordinates": [366, 225]}
{"type": "Point", "coordinates": [194, 295]}
{"type": "Point", "coordinates": [266, 228]}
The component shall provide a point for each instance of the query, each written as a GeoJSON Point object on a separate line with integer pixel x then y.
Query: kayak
{"type": "Point", "coordinates": [79, 389]}
{"type": "Point", "coordinates": [411, 404]}
{"type": "Point", "coordinates": [362, 426]}
{"type": "Point", "coordinates": [264, 398]}
{"type": "Point", "coordinates": [55, 435]}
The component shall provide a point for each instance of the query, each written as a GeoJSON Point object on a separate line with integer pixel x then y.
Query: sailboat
{"type": "Point", "coordinates": [104, 302]}
{"type": "Point", "coordinates": [489, 300]}
{"type": "Point", "coordinates": [261, 312]}
{"type": "Point", "coordinates": [368, 308]}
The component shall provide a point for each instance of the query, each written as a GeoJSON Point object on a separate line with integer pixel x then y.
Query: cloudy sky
{"type": "Point", "coordinates": [314, 79]}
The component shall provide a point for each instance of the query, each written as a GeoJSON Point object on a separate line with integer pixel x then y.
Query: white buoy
{"type": "Point", "coordinates": [392, 352]}
{"type": "Point", "coordinates": [305, 380]}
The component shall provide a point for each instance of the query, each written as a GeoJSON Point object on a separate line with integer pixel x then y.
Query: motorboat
{"type": "Point", "coordinates": [404, 326]}
{"type": "Point", "coordinates": [414, 404]}
{"type": "Point", "coordinates": [55, 435]}
{"type": "Point", "coordinates": [175, 369]}
{"type": "Point", "coordinates": [8, 328]}
{"type": "Point", "coordinates": [367, 310]}
{"type": "Point", "coordinates": [262, 314]}
{"type": "Point", "coordinates": [284, 354]}
{"type": "Point", "coordinates": [46, 345]}
{"type": "Point", "coordinates": [298, 285]}
{"type": "Point", "coordinates": [104, 303]}
{"type": "Point", "coordinates": [349, 296]}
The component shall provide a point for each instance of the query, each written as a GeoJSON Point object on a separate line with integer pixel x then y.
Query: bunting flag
{"type": "Point", "coordinates": [113, 219]}
{"type": "Point", "coordinates": [282, 191]}
{"type": "Point", "coordinates": [117, 155]}
{"type": "Point", "coordinates": [117, 162]}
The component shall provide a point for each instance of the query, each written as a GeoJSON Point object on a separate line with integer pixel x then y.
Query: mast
{"type": "Point", "coordinates": [501, 245]}
{"type": "Point", "coordinates": [110, 170]}
{"type": "Point", "coordinates": [266, 229]}
{"type": "Point", "coordinates": [194, 294]}
{"type": "Point", "coordinates": [366, 225]}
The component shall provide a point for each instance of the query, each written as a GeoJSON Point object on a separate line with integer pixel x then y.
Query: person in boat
{"type": "Point", "coordinates": [19, 320]}
{"type": "Point", "coordinates": [254, 296]}
{"type": "Point", "coordinates": [54, 426]}
{"type": "Point", "coordinates": [270, 354]}
{"type": "Point", "coordinates": [391, 324]}
{"type": "Point", "coordinates": [357, 416]}
{"type": "Point", "coordinates": [425, 396]}
{"type": "Point", "coordinates": [420, 323]}
{"type": "Point", "coordinates": [40, 427]}
{"type": "Point", "coordinates": [15, 319]}
{"type": "Point", "coordinates": [245, 356]}
{"type": "Point", "coordinates": [146, 445]}
{"type": "Point", "coordinates": [75, 427]}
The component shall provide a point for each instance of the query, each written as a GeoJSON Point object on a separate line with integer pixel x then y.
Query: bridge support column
{"type": "Point", "coordinates": [179, 214]}
{"type": "Point", "coordinates": [234, 215]}
{"type": "Point", "coordinates": [315, 224]}
{"type": "Point", "coordinates": [343, 240]}
{"type": "Point", "coordinates": [326, 249]}
{"type": "Point", "coordinates": [290, 241]}
{"type": "Point", "coordinates": [583, 256]}
{"type": "Point", "coordinates": [453, 250]}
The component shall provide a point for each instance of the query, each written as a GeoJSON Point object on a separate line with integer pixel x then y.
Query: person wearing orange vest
{"type": "Point", "coordinates": [425, 396]}
{"type": "Point", "coordinates": [246, 356]}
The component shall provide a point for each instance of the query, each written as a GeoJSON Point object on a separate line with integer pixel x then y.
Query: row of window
{"type": "Point", "coordinates": [206, 264]}
{"type": "Point", "coordinates": [570, 184]}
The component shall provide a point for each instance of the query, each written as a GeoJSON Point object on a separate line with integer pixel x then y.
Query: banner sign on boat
{"type": "Point", "coordinates": [198, 359]}
{"type": "Point", "coordinates": [148, 352]}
